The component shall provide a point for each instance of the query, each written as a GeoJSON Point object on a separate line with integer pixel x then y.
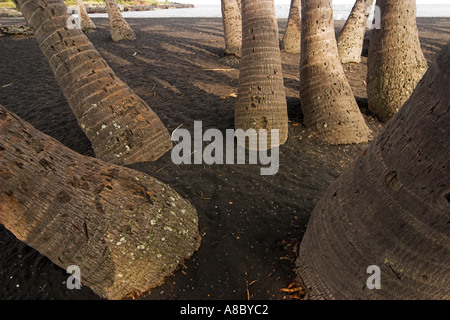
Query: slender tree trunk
{"type": "Point", "coordinates": [396, 62]}
{"type": "Point", "coordinates": [351, 38]}
{"type": "Point", "coordinates": [120, 30]}
{"type": "Point", "coordinates": [328, 104]}
{"type": "Point", "coordinates": [232, 24]}
{"type": "Point", "coordinates": [120, 125]}
{"type": "Point", "coordinates": [125, 230]}
{"type": "Point", "coordinates": [86, 23]}
{"type": "Point", "coordinates": [292, 36]}
{"type": "Point", "coordinates": [390, 208]}
{"type": "Point", "coordinates": [261, 101]}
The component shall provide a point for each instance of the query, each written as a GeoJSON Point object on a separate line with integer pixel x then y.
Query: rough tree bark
{"type": "Point", "coordinates": [87, 25]}
{"type": "Point", "coordinates": [119, 28]}
{"type": "Point", "coordinates": [261, 101]}
{"type": "Point", "coordinates": [125, 230]}
{"type": "Point", "coordinates": [351, 38]}
{"type": "Point", "coordinates": [327, 101]}
{"type": "Point", "coordinates": [292, 36]}
{"type": "Point", "coordinates": [391, 208]}
{"type": "Point", "coordinates": [232, 24]}
{"type": "Point", "coordinates": [120, 125]}
{"type": "Point", "coordinates": [396, 62]}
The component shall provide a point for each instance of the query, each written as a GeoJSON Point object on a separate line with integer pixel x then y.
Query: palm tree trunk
{"type": "Point", "coordinates": [232, 24]}
{"type": "Point", "coordinates": [86, 23]}
{"type": "Point", "coordinates": [292, 36]}
{"type": "Point", "coordinates": [351, 38]}
{"type": "Point", "coordinates": [125, 230]}
{"type": "Point", "coordinates": [328, 104]}
{"type": "Point", "coordinates": [396, 62]}
{"type": "Point", "coordinates": [120, 125]}
{"type": "Point", "coordinates": [261, 101]}
{"type": "Point", "coordinates": [120, 30]}
{"type": "Point", "coordinates": [390, 208]}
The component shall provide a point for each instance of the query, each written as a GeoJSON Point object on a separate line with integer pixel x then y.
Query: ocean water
{"type": "Point", "coordinates": [341, 12]}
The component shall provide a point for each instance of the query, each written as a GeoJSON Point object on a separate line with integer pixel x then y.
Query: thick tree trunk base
{"type": "Point", "coordinates": [87, 25]}
{"type": "Point", "coordinates": [261, 102]}
{"type": "Point", "coordinates": [389, 209]}
{"type": "Point", "coordinates": [328, 103]}
{"type": "Point", "coordinates": [232, 24]}
{"type": "Point", "coordinates": [125, 230]}
{"type": "Point", "coordinates": [120, 30]}
{"type": "Point", "coordinates": [395, 62]}
{"type": "Point", "coordinates": [292, 36]}
{"type": "Point", "coordinates": [351, 38]}
{"type": "Point", "coordinates": [120, 125]}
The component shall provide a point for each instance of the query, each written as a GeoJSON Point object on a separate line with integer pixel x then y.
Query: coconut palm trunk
{"type": "Point", "coordinates": [351, 38]}
{"type": "Point", "coordinates": [125, 230]}
{"type": "Point", "coordinates": [390, 209]}
{"type": "Point", "coordinates": [261, 102]}
{"type": "Point", "coordinates": [119, 28]}
{"type": "Point", "coordinates": [396, 62]}
{"type": "Point", "coordinates": [292, 36]}
{"type": "Point", "coordinates": [86, 23]}
{"type": "Point", "coordinates": [120, 125]}
{"type": "Point", "coordinates": [232, 24]}
{"type": "Point", "coordinates": [327, 101]}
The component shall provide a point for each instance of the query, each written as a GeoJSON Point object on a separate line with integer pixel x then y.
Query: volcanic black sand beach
{"type": "Point", "coordinates": [250, 224]}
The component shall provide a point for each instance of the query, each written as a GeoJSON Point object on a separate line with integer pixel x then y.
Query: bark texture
{"type": "Point", "coordinates": [351, 38]}
{"type": "Point", "coordinates": [124, 229]}
{"type": "Point", "coordinates": [292, 36]}
{"type": "Point", "coordinates": [119, 28]}
{"type": "Point", "coordinates": [328, 104]}
{"type": "Point", "coordinates": [120, 125]}
{"type": "Point", "coordinates": [232, 25]}
{"type": "Point", "coordinates": [87, 25]}
{"type": "Point", "coordinates": [396, 62]}
{"type": "Point", "coordinates": [391, 208]}
{"type": "Point", "coordinates": [261, 101]}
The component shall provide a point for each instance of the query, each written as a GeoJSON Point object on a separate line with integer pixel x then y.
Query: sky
{"type": "Point", "coordinates": [217, 2]}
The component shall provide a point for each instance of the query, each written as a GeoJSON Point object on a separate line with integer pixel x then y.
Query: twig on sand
{"type": "Point", "coordinates": [9, 84]}
{"type": "Point", "coordinates": [295, 291]}
{"type": "Point", "coordinates": [248, 292]}
{"type": "Point", "coordinates": [291, 290]}
{"type": "Point", "coordinates": [247, 285]}
{"type": "Point", "coordinates": [176, 130]}
{"type": "Point", "coordinates": [202, 197]}
{"type": "Point", "coordinates": [134, 294]}
{"type": "Point", "coordinates": [161, 168]}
